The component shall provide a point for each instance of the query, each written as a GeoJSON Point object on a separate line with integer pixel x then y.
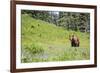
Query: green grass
{"type": "Point", "coordinates": [43, 41]}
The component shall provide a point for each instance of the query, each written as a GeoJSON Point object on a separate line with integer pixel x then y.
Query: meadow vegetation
{"type": "Point", "coordinates": [43, 41]}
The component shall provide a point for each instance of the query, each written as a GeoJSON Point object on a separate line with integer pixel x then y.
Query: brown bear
{"type": "Point", "coordinates": [74, 41]}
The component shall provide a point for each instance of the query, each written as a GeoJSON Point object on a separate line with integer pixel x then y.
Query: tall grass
{"type": "Point", "coordinates": [42, 42]}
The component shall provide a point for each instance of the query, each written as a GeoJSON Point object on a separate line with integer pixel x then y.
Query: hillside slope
{"type": "Point", "coordinates": [43, 41]}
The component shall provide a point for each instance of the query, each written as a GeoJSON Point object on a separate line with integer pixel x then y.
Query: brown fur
{"type": "Point", "coordinates": [74, 41]}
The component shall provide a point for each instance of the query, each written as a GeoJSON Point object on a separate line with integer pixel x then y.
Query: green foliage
{"type": "Point", "coordinates": [42, 15]}
{"type": "Point", "coordinates": [69, 20]}
{"type": "Point", "coordinates": [75, 21]}
{"type": "Point", "coordinates": [29, 50]}
{"type": "Point", "coordinates": [43, 41]}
